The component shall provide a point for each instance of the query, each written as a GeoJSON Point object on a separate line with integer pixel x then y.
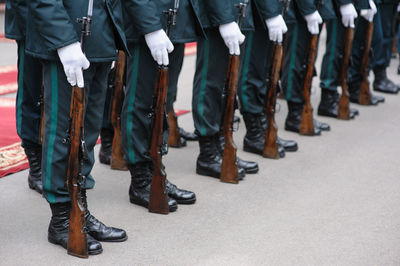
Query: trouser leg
{"type": "Point", "coordinates": [57, 110]}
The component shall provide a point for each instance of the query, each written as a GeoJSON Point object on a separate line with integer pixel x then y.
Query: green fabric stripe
{"type": "Point", "coordinates": [20, 97]}
{"type": "Point", "coordinates": [131, 102]}
{"type": "Point", "coordinates": [292, 61]}
{"type": "Point", "coordinates": [53, 130]}
{"type": "Point", "coordinates": [332, 53]}
{"type": "Point", "coordinates": [203, 85]}
{"type": "Point", "coordinates": [247, 56]}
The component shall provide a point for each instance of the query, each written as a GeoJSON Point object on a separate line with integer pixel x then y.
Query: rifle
{"type": "Point", "coordinates": [365, 95]}
{"type": "Point", "coordinates": [307, 123]}
{"type": "Point", "coordinates": [77, 238]}
{"type": "Point", "coordinates": [271, 133]}
{"type": "Point", "coordinates": [229, 169]}
{"type": "Point", "coordinates": [158, 193]}
{"type": "Point", "coordinates": [344, 108]}
{"type": "Point", "coordinates": [117, 154]}
{"type": "Point", "coordinates": [396, 31]}
{"type": "Point", "coordinates": [174, 138]}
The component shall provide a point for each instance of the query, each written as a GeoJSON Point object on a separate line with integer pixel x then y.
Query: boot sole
{"type": "Point", "coordinates": [55, 242]}
{"type": "Point", "coordinates": [145, 204]}
{"type": "Point", "coordinates": [185, 202]}
{"type": "Point", "coordinates": [204, 172]}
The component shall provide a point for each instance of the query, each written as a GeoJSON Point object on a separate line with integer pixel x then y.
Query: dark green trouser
{"type": "Point", "coordinates": [252, 87]}
{"type": "Point", "coordinates": [141, 75]}
{"type": "Point", "coordinates": [333, 57]}
{"type": "Point", "coordinates": [57, 110]}
{"type": "Point", "coordinates": [28, 107]}
{"type": "Point", "coordinates": [208, 83]}
{"type": "Point", "coordinates": [382, 39]}
{"type": "Point", "coordinates": [295, 61]}
{"type": "Point", "coordinates": [108, 103]}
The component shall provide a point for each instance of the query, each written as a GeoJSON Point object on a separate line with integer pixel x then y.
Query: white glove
{"type": "Point", "coordinates": [159, 45]}
{"type": "Point", "coordinates": [349, 14]}
{"type": "Point", "coordinates": [313, 21]}
{"type": "Point", "coordinates": [232, 36]}
{"type": "Point", "coordinates": [73, 61]}
{"type": "Point", "coordinates": [398, 8]}
{"type": "Point", "coordinates": [368, 14]}
{"type": "Point", "coordinates": [276, 28]}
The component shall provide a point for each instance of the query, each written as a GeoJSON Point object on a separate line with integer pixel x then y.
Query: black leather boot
{"type": "Point", "coordinates": [283, 145]}
{"type": "Point", "coordinates": [139, 190]}
{"type": "Point", "coordinates": [248, 166]}
{"type": "Point", "coordinates": [382, 83]}
{"type": "Point", "coordinates": [34, 156]}
{"type": "Point", "coordinates": [58, 229]}
{"type": "Point", "coordinates": [187, 135]}
{"type": "Point", "coordinates": [209, 161]}
{"type": "Point", "coordinates": [293, 119]}
{"type": "Point", "coordinates": [329, 105]}
{"type": "Point", "coordinates": [106, 136]}
{"type": "Point", "coordinates": [180, 195]}
{"type": "Point", "coordinates": [321, 125]}
{"type": "Point", "coordinates": [100, 231]}
{"type": "Point", "coordinates": [253, 141]}
{"type": "Point", "coordinates": [354, 91]}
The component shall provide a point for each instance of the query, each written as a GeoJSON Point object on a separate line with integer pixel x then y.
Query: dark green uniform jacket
{"type": "Point", "coordinates": [187, 29]}
{"type": "Point", "coordinates": [15, 22]}
{"type": "Point", "coordinates": [215, 13]}
{"type": "Point", "coordinates": [56, 20]}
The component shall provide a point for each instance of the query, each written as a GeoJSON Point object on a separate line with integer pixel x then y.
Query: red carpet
{"type": "Point", "coordinates": [12, 156]}
{"type": "Point", "coordinates": [8, 79]}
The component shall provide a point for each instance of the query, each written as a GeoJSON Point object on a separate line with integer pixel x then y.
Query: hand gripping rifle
{"type": "Point", "coordinates": [271, 133]}
{"type": "Point", "coordinates": [117, 154]}
{"type": "Point", "coordinates": [77, 238]}
{"type": "Point", "coordinates": [344, 107]}
{"type": "Point", "coordinates": [364, 97]}
{"type": "Point", "coordinates": [229, 169]}
{"type": "Point", "coordinates": [158, 192]}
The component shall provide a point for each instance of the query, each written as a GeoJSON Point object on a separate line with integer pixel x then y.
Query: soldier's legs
{"type": "Point", "coordinates": [294, 72]}
{"type": "Point", "coordinates": [354, 75]}
{"type": "Point", "coordinates": [28, 113]}
{"type": "Point", "coordinates": [107, 130]}
{"type": "Point", "coordinates": [252, 88]}
{"type": "Point", "coordinates": [136, 122]}
{"type": "Point", "coordinates": [330, 69]}
{"type": "Point", "coordinates": [207, 104]}
{"type": "Point", "coordinates": [382, 43]}
{"type": "Point", "coordinates": [55, 147]}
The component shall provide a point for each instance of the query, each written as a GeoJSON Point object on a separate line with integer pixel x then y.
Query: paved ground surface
{"type": "Point", "coordinates": [334, 202]}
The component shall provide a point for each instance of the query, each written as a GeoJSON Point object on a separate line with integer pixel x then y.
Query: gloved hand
{"type": "Point", "coordinates": [313, 21]}
{"type": "Point", "coordinates": [232, 36]}
{"type": "Point", "coordinates": [159, 45]}
{"type": "Point", "coordinates": [369, 14]}
{"type": "Point", "coordinates": [349, 14]}
{"type": "Point", "coordinates": [398, 8]}
{"type": "Point", "coordinates": [276, 28]}
{"type": "Point", "coordinates": [73, 61]}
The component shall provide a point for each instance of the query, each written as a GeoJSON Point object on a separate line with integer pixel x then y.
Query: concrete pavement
{"type": "Point", "coordinates": [334, 202]}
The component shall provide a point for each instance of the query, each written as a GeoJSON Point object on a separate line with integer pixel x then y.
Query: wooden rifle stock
{"type": "Point", "coordinates": [229, 169]}
{"type": "Point", "coordinates": [77, 239]}
{"type": "Point", "coordinates": [158, 193]}
{"type": "Point", "coordinates": [307, 123]}
{"type": "Point", "coordinates": [174, 138]}
{"type": "Point", "coordinates": [271, 133]}
{"type": "Point", "coordinates": [365, 94]}
{"type": "Point", "coordinates": [117, 154]}
{"type": "Point", "coordinates": [344, 106]}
